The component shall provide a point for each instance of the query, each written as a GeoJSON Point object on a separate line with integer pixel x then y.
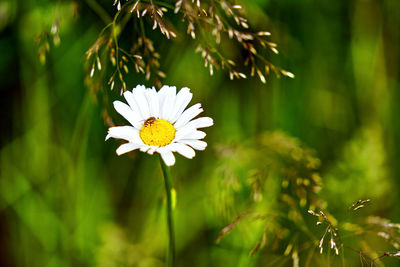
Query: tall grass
{"type": "Point", "coordinates": [318, 142]}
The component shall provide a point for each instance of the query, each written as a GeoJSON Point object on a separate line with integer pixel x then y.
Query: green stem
{"type": "Point", "coordinates": [99, 10]}
{"type": "Point", "coordinates": [171, 236]}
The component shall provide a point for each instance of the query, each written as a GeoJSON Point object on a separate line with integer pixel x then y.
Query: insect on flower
{"type": "Point", "coordinates": [149, 121]}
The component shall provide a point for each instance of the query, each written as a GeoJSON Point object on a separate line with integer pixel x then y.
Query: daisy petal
{"type": "Point", "coordinates": [144, 148]}
{"type": "Point", "coordinates": [168, 158]}
{"type": "Point", "coordinates": [131, 102]}
{"type": "Point", "coordinates": [196, 144]}
{"type": "Point", "coordinates": [152, 150]}
{"type": "Point", "coordinates": [187, 115]}
{"type": "Point", "coordinates": [154, 105]}
{"type": "Point", "coordinates": [182, 132]}
{"type": "Point", "coordinates": [194, 135]}
{"type": "Point", "coordinates": [164, 91]}
{"type": "Point", "coordinates": [128, 133]}
{"type": "Point", "coordinates": [124, 148]}
{"type": "Point", "coordinates": [200, 123]}
{"type": "Point", "coordinates": [127, 113]}
{"type": "Point", "coordinates": [168, 102]}
{"type": "Point", "coordinates": [183, 149]}
{"type": "Point", "coordinates": [182, 100]}
{"type": "Point", "coordinates": [141, 101]}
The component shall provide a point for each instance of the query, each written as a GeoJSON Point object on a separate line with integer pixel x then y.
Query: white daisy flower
{"type": "Point", "coordinates": [160, 123]}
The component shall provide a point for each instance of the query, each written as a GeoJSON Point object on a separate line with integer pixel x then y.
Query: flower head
{"type": "Point", "coordinates": [160, 123]}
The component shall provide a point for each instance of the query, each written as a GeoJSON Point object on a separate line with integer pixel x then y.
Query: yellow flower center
{"type": "Point", "coordinates": [157, 132]}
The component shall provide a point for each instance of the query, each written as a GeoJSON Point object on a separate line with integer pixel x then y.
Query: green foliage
{"type": "Point", "coordinates": [277, 152]}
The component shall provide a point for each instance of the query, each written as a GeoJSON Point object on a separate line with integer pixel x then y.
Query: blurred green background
{"type": "Point", "coordinates": [66, 198]}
